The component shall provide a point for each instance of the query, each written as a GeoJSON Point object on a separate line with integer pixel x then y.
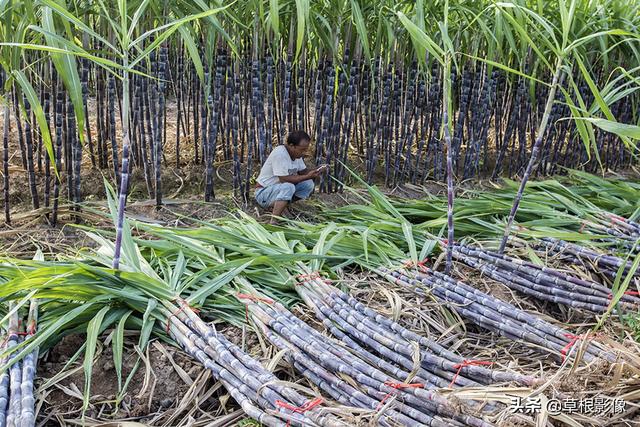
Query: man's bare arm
{"type": "Point", "coordinates": [294, 179]}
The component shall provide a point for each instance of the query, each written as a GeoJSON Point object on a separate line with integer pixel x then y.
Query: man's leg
{"type": "Point", "coordinates": [304, 189]}
{"type": "Point", "coordinates": [279, 206]}
{"type": "Point", "coordinates": [277, 196]}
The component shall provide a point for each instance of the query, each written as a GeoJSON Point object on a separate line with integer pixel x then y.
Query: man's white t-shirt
{"type": "Point", "coordinates": [279, 163]}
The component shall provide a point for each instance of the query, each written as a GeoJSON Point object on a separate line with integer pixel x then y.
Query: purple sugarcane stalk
{"type": "Point", "coordinates": [447, 140]}
{"type": "Point", "coordinates": [124, 180]}
{"type": "Point", "coordinates": [534, 156]}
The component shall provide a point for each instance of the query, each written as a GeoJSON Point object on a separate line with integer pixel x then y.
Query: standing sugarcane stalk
{"type": "Point", "coordinates": [158, 101]}
{"type": "Point", "coordinates": [5, 163]}
{"type": "Point", "coordinates": [534, 153]}
{"type": "Point", "coordinates": [446, 96]}
{"type": "Point", "coordinates": [112, 125]}
{"type": "Point", "coordinates": [29, 146]}
{"type": "Point", "coordinates": [58, 151]}
{"type": "Point", "coordinates": [124, 182]}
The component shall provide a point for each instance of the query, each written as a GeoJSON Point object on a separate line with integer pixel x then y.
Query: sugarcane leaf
{"type": "Point", "coordinates": [213, 286]}
{"type": "Point", "coordinates": [427, 248]}
{"type": "Point", "coordinates": [582, 40]}
{"type": "Point", "coordinates": [134, 20]}
{"type": "Point", "coordinates": [407, 231]}
{"type": "Point", "coordinates": [192, 49]}
{"type": "Point", "coordinates": [358, 20]}
{"type": "Point", "coordinates": [38, 112]}
{"type": "Point", "coordinates": [62, 11]}
{"type": "Point", "coordinates": [93, 329]}
{"type": "Point", "coordinates": [117, 346]}
{"type": "Point", "coordinates": [302, 14]}
{"type": "Point", "coordinates": [274, 17]}
{"type": "Point", "coordinates": [168, 30]}
{"type": "Point", "coordinates": [620, 290]}
{"type": "Point", "coordinates": [584, 130]}
{"type": "Point", "coordinates": [620, 129]}
{"type": "Point", "coordinates": [422, 38]}
{"type": "Point", "coordinates": [148, 322]}
{"type": "Point", "coordinates": [319, 248]}
{"type": "Point", "coordinates": [624, 131]}
{"type": "Point", "coordinates": [65, 64]}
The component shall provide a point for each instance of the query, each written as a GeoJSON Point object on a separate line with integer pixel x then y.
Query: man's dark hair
{"type": "Point", "coordinates": [296, 137]}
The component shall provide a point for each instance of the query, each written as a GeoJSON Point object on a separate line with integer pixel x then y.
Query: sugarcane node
{"type": "Point", "coordinates": [183, 306]}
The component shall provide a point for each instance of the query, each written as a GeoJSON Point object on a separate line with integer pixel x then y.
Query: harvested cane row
{"type": "Point", "coordinates": [542, 282]}
{"type": "Point", "coordinates": [325, 363]}
{"type": "Point", "coordinates": [624, 232]}
{"type": "Point", "coordinates": [496, 315]}
{"type": "Point", "coordinates": [359, 326]}
{"type": "Point", "coordinates": [254, 388]}
{"type": "Point", "coordinates": [17, 401]}
{"type": "Point", "coordinates": [599, 262]}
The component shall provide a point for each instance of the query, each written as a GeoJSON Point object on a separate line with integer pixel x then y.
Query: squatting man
{"type": "Point", "coordinates": [284, 178]}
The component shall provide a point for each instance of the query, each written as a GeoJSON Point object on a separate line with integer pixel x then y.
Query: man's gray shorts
{"type": "Point", "coordinates": [267, 196]}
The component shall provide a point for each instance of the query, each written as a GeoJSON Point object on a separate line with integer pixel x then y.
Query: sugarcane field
{"type": "Point", "coordinates": [320, 213]}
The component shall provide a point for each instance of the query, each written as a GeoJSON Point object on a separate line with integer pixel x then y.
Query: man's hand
{"type": "Point", "coordinates": [314, 173]}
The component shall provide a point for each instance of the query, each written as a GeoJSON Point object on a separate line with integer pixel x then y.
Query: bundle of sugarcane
{"type": "Point", "coordinates": [17, 402]}
{"type": "Point", "coordinates": [388, 345]}
{"type": "Point", "coordinates": [347, 377]}
{"type": "Point", "coordinates": [625, 232]}
{"type": "Point", "coordinates": [542, 282]}
{"type": "Point", "coordinates": [605, 263]}
{"type": "Point", "coordinates": [255, 389]}
{"type": "Point", "coordinates": [496, 315]}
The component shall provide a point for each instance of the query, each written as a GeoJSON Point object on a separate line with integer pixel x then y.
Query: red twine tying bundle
{"type": "Point", "coordinates": [309, 405]}
{"type": "Point", "coordinates": [572, 340]}
{"type": "Point", "coordinates": [253, 298]}
{"type": "Point", "coordinates": [183, 304]}
{"type": "Point", "coordinates": [306, 278]}
{"type": "Point", "coordinates": [396, 386]}
{"type": "Point", "coordinates": [466, 363]}
{"type": "Point", "coordinates": [303, 278]}
{"type": "Point", "coordinates": [420, 264]}
{"type": "Point", "coordinates": [31, 329]}
{"type": "Point", "coordinates": [618, 218]}
{"type": "Point", "coordinates": [584, 224]}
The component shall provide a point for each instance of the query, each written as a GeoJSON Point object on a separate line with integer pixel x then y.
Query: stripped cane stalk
{"type": "Point", "coordinates": [4, 385]}
{"type": "Point", "coordinates": [28, 417]}
{"type": "Point", "coordinates": [15, 374]}
{"type": "Point", "coordinates": [534, 155]}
